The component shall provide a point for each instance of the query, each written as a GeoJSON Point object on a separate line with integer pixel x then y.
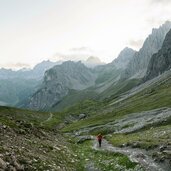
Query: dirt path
{"type": "Point", "coordinates": [135, 155]}
{"type": "Point", "coordinates": [48, 119]}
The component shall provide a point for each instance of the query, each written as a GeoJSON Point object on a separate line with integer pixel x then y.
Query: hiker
{"type": "Point", "coordinates": [99, 138]}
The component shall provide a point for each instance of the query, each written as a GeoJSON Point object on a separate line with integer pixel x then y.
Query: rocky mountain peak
{"type": "Point", "coordinates": [137, 66]}
{"type": "Point", "coordinates": [160, 61]}
{"type": "Point", "coordinates": [123, 58]}
{"type": "Point", "coordinates": [58, 81]}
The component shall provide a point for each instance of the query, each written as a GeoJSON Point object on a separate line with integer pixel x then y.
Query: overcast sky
{"type": "Point", "coordinates": [36, 30]}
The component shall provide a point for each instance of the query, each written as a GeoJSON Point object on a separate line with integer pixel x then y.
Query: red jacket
{"type": "Point", "coordinates": [99, 137]}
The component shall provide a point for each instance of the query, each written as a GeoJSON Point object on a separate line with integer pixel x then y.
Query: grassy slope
{"type": "Point", "coordinates": [34, 147]}
{"type": "Point", "coordinates": [119, 88]}
{"type": "Point", "coordinates": [151, 98]}
{"type": "Point", "coordinates": [147, 138]}
{"type": "Point", "coordinates": [9, 116]}
{"type": "Point", "coordinates": [73, 98]}
{"type": "Point", "coordinates": [103, 160]}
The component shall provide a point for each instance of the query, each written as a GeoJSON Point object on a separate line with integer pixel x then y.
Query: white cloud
{"type": "Point", "coordinates": [32, 31]}
{"type": "Point", "coordinates": [16, 66]}
{"type": "Point", "coordinates": [160, 1]}
{"type": "Point", "coordinates": [136, 43]}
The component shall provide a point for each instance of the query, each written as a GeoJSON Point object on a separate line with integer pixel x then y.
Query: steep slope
{"type": "Point", "coordinates": [107, 75]}
{"type": "Point", "coordinates": [124, 58]}
{"type": "Point", "coordinates": [109, 71]}
{"type": "Point", "coordinates": [109, 81]}
{"type": "Point", "coordinates": [27, 144]}
{"type": "Point", "coordinates": [161, 61]}
{"type": "Point", "coordinates": [137, 67]}
{"type": "Point", "coordinates": [58, 81]}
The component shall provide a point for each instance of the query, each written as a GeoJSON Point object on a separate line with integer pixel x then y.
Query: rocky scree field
{"type": "Point", "coordinates": [26, 144]}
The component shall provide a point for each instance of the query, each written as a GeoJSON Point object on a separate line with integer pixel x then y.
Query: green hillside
{"type": "Point", "coordinates": [26, 143]}
{"type": "Point", "coordinates": [155, 96]}
{"type": "Point", "coordinates": [49, 140]}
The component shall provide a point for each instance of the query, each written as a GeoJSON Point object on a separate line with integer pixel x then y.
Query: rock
{"type": "Point", "coordinates": [11, 168]}
{"type": "Point", "coordinates": [168, 152]}
{"type": "Point", "coordinates": [162, 148]}
{"type": "Point", "coordinates": [135, 145]}
{"type": "Point", "coordinates": [125, 145]}
{"type": "Point", "coordinates": [162, 159]}
{"type": "Point", "coordinates": [83, 138]}
{"type": "Point", "coordinates": [4, 126]}
{"type": "Point", "coordinates": [82, 116]}
{"type": "Point", "coordinates": [2, 164]}
{"type": "Point", "coordinates": [66, 122]}
{"type": "Point", "coordinates": [141, 155]}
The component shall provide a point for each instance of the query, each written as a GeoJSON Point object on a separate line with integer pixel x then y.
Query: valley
{"type": "Point", "coordinates": [50, 116]}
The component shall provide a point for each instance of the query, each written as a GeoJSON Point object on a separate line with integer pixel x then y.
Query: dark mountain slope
{"type": "Point", "coordinates": [161, 61]}
{"type": "Point", "coordinates": [137, 67]}
{"type": "Point", "coordinates": [58, 81]}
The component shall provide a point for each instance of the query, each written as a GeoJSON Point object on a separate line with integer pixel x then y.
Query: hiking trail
{"type": "Point", "coordinates": [135, 155]}
{"type": "Point", "coordinates": [47, 120]}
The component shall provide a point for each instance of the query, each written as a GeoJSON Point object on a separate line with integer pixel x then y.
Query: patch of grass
{"type": "Point", "coordinates": [154, 97]}
{"type": "Point", "coordinates": [146, 139]}
{"type": "Point", "coordinates": [36, 146]}
{"type": "Point", "coordinates": [9, 116]}
{"type": "Point", "coordinates": [108, 74]}
{"type": "Point", "coordinates": [119, 88]}
{"type": "Point", "coordinates": [73, 98]}
{"type": "Point", "coordinates": [103, 160]}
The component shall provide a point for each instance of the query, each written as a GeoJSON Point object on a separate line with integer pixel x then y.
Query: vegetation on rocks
{"type": "Point", "coordinates": [26, 145]}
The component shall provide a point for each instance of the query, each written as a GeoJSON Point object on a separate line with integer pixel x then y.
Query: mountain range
{"type": "Point", "coordinates": [75, 80]}
{"type": "Point", "coordinates": [128, 101]}
{"type": "Point", "coordinates": [49, 85]}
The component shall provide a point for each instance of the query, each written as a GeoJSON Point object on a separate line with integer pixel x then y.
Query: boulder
{"type": "Point", "coordinates": [2, 164]}
{"type": "Point", "coordinates": [82, 116]}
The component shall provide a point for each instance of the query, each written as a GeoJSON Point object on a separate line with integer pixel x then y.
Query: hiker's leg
{"type": "Point", "coordinates": [100, 142]}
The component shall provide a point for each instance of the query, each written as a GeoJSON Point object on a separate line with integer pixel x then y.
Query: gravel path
{"type": "Point", "coordinates": [135, 155]}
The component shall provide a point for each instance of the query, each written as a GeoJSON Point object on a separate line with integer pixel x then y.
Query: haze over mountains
{"type": "Point", "coordinates": [106, 80]}
{"type": "Point", "coordinates": [18, 85]}
{"type": "Point", "coordinates": [45, 88]}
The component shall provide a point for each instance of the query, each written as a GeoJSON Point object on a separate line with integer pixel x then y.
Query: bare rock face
{"type": "Point", "coordinates": [58, 81]}
{"type": "Point", "coordinates": [161, 61]}
{"type": "Point", "coordinates": [124, 57]}
{"type": "Point", "coordinates": [137, 67]}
